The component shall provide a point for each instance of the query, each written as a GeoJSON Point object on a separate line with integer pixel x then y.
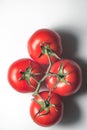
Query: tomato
{"type": "Point", "coordinates": [24, 74]}
{"type": "Point", "coordinates": [46, 109]}
{"type": "Point", "coordinates": [42, 43]}
{"type": "Point", "coordinates": [65, 77]}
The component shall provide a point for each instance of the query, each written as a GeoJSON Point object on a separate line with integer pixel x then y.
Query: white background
{"type": "Point", "coordinates": [18, 20]}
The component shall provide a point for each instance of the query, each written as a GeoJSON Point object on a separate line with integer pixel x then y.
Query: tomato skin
{"type": "Point", "coordinates": [49, 37]}
{"type": "Point", "coordinates": [73, 79]}
{"type": "Point", "coordinates": [15, 76]}
{"type": "Point", "coordinates": [54, 115]}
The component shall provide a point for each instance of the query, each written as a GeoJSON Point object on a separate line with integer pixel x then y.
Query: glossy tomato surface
{"type": "Point", "coordinates": [65, 77]}
{"type": "Point", "coordinates": [23, 75]}
{"type": "Point", "coordinates": [44, 41]}
{"type": "Point", "coordinates": [46, 112]}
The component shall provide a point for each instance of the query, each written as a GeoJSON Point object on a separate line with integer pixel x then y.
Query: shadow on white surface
{"type": "Point", "coordinates": [72, 112]}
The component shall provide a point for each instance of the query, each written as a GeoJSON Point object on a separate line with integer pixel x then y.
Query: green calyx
{"type": "Point", "coordinates": [45, 106]}
{"type": "Point", "coordinates": [61, 75]}
{"type": "Point", "coordinates": [45, 47]}
{"type": "Point", "coordinates": [27, 75]}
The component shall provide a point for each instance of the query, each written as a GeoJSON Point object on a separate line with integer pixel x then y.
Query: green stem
{"type": "Point", "coordinates": [39, 84]}
{"type": "Point", "coordinates": [50, 91]}
{"type": "Point", "coordinates": [43, 78]}
{"type": "Point", "coordinates": [50, 64]}
{"type": "Point", "coordinates": [37, 89]}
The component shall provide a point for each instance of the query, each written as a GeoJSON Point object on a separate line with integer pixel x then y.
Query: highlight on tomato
{"type": "Point", "coordinates": [46, 109]}
{"type": "Point", "coordinates": [44, 43]}
{"type": "Point", "coordinates": [24, 74]}
{"type": "Point", "coordinates": [65, 77]}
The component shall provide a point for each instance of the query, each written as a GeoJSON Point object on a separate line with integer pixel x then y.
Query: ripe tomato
{"type": "Point", "coordinates": [24, 74]}
{"type": "Point", "coordinates": [46, 109]}
{"type": "Point", "coordinates": [65, 77]}
{"type": "Point", "coordinates": [42, 43]}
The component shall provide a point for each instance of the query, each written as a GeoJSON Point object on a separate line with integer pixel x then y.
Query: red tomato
{"type": "Point", "coordinates": [65, 77]}
{"type": "Point", "coordinates": [43, 42]}
{"type": "Point", "coordinates": [24, 74]}
{"type": "Point", "coordinates": [45, 110]}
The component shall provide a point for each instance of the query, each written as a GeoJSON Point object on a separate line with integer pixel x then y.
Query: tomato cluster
{"type": "Point", "coordinates": [61, 77]}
